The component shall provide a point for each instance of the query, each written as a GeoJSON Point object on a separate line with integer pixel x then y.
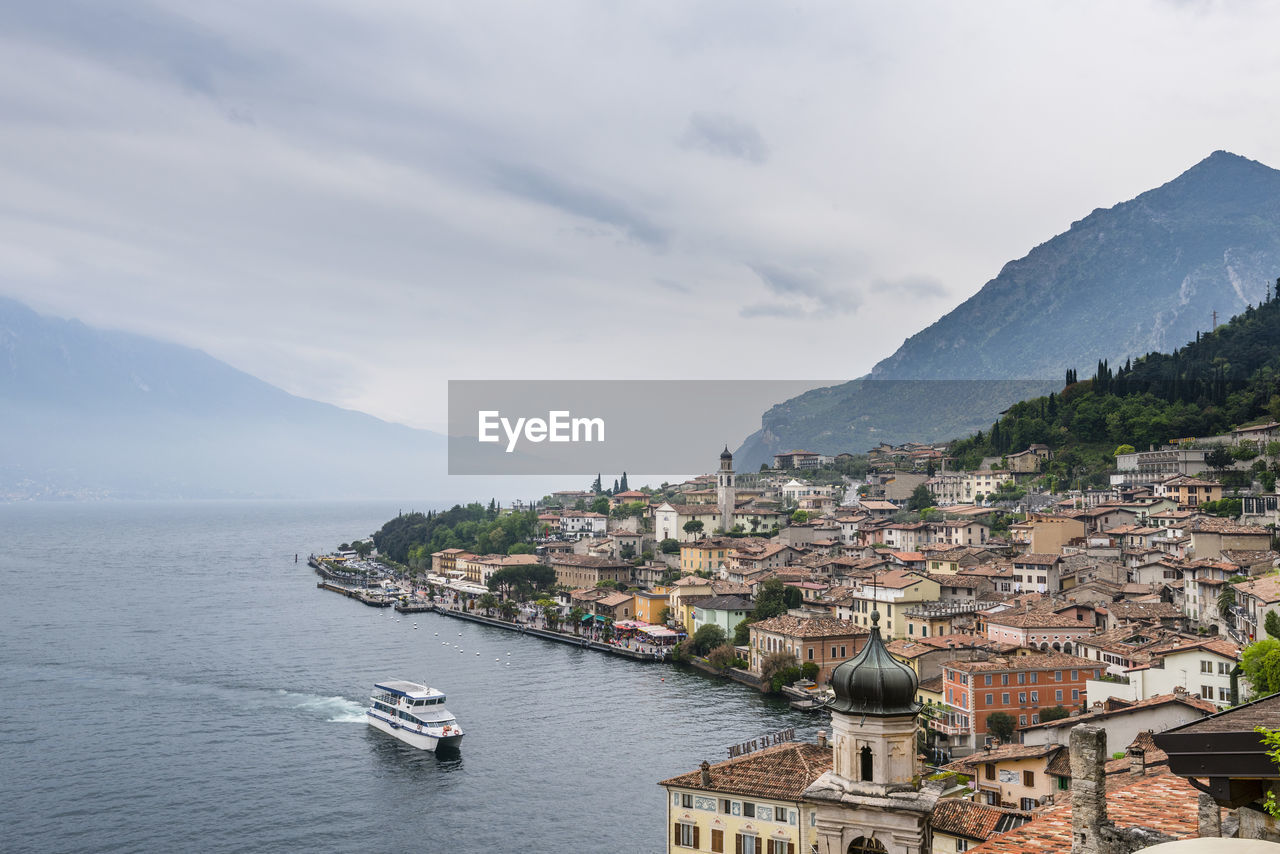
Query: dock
{"type": "Point", "coordinates": [417, 607]}
{"type": "Point", "coordinates": [373, 600]}
{"type": "Point", "coordinates": [571, 640]}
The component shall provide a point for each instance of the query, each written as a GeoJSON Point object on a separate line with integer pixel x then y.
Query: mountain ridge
{"type": "Point", "coordinates": [102, 413]}
{"type": "Point", "coordinates": [1143, 275]}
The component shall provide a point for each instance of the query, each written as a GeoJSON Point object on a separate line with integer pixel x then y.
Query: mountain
{"type": "Point", "coordinates": [95, 413]}
{"type": "Point", "coordinates": [1142, 276]}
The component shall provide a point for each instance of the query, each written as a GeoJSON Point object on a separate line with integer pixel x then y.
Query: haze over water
{"type": "Point", "coordinates": [173, 681]}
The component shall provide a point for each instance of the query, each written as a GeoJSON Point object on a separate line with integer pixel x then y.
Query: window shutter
{"type": "Point", "coordinates": [696, 843]}
{"type": "Point", "coordinates": [791, 848]}
{"type": "Point", "coordinates": [717, 841]}
{"type": "Point", "coordinates": [737, 843]}
{"type": "Point", "coordinates": [675, 836]}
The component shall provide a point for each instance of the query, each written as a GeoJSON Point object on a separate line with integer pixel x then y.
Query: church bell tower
{"type": "Point", "coordinates": [726, 491]}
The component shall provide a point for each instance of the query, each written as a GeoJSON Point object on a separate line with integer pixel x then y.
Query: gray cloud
{"type": "Point", "coordinates": [725, 136]}
{"type": "Point", "coordinates": [258, 180]}
{"type": "Point", "coordinates": [571, 197]}
{"type": "Point", "coordinates": [804, 293]}
{"type": "Point", "coordinates": [921, 287]}
{"type": "Point", "coordinates": [672, 285]}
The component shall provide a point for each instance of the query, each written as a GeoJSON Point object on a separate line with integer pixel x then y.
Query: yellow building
{"type": "Point", "coordinates": [705, 555]}
{"type": "Point", "coordinates": [749, 803]}
{"type": "Point", "coordinates": [1014, 776]}
{"type": "Point", "coordinates": [649, 605]}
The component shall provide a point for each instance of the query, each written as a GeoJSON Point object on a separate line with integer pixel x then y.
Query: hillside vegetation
{"type": "Point", "coordinates": [1223, 379]}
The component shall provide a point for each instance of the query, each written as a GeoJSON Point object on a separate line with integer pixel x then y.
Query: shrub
{"type": "Point", "coordinates": [809, 670]}
{"type": "Point", "coordinates": [707, 638]}
{"type": "Point", "coordinates": [723, 657]}
{"type": "Point", "coordinates": [785, 676]}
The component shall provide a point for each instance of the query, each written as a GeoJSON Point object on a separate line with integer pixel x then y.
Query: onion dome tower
{"type": "Point", "coordinates": [873, 719]}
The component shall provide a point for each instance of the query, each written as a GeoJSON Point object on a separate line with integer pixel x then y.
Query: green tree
{"type": "Point", "coordinates": [363, 548]}
{"type": "Point", "coordinates": [508, 609]}
{"type": "Point", "coordinates": [771, 600]}
{"type": "Point", "coordinates": [600, 505]}
{"type": "Point", "coordinates": [1219, 457]}
{"type": "Point", "coordinates": [664, 615]}
{"type": "Point", "coordinates": [622, 485]}
{"type": "Point", "coordinates": [488, 601]}
{"type": "Point", "coordinates": [742, 633]}
{"type": "Point", "coordinates": [921, 498]}
{"type": "Point", "coordinates": [1054, 713]}
{"type": "Point", "coordinates": [1227, 596]}
{"type": "Point", "coordinates": [707, 638]}
{"type": "Point", "coordinates": [1122, 449]}
{"type": "Point", "coordinates": [1001, 725]}
{"type": "Point", "coordinates": [1260, 664]}
{"type": "Point", "coordinates": [670, 546]}
{"type": "Point", "coordinates": [1272, 624]}
{"type": "Point", "coordinates": [576, 613]}
{"type": "Point", "coordinates": [809, 670]}
{"type": "Point", "coordinates": [693, 527]}
{"type": "Point", "coordinates": [800, 517]}
{"type": "Point", "coordinates": [520, 549]}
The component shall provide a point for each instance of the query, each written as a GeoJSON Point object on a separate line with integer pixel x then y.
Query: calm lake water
{"type": "Point", "coordinates": [174, 681]}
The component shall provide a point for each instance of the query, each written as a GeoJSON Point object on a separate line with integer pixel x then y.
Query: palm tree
{"type": "Point", "coordinates": [552, 615]}
{"type": "Point", "coordinates": [508, 609]}
{"type": "Point", "coordinates": [488, 601]}
{"type": "Point", "coordinates": [575, 616]}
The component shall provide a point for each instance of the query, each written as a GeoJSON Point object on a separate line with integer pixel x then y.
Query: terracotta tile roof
{"type": "Point", "coordinates": [588, 561]}
{"type": "Point", "coordinates": [1033, 661]}
{"type": "Point", "coordinates": [1038, 559]}
{"type": "Point", "coordinates": [979, 822]}
{"type": "Point", "coordinates": [1161, 802]}
{"type": "Point", "coordinates": [1004, 752]}
{"type": "Point", "coordinates": [1191, 700]}
{"type": "Point", "coordinates": [1033, 619]}
{"type": "Point", "coordinates": [1264, 712]}
{"type": "Point", "coordinates": [1266, 589]}
{"type": "Point", "coordinates": [809, 627]}
{"type": "Point", "coordinates": [781, 772]}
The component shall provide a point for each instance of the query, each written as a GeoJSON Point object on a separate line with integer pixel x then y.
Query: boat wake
{"type": "Point", "coordinates": [336, 710]}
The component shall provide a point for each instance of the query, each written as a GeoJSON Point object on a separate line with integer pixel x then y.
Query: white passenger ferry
{"type": "Point", "coordinates": [415, 714]}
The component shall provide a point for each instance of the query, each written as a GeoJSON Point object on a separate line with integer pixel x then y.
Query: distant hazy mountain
{"type": "Point", "coordinates": [92, 413]}
{"type": "Point", "coordinates": [1143, 276]}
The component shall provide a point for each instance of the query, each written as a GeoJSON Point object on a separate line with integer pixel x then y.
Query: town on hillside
{"type": "Point", "coordinates": [1013, 615]}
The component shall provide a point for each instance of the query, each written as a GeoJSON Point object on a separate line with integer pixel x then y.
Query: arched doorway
{"type": "Point", "coordinates": [866, 845]}
{"type": "Point", "coordinates": [1057, 647]}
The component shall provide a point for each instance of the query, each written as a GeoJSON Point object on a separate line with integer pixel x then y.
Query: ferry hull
{"type": "Point", "coordinates": [412, 737]}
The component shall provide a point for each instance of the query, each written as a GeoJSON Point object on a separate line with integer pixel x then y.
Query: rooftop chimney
{"type": "Point", "coordinates": [1137, 761]}
{"type": "Point", "coordinates": [706, 772]}
{"type": "Point", "coordinates": [822, 738]}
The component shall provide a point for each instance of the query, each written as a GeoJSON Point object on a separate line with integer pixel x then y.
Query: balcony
{"type": "Point", "coordinates": [947, 728]}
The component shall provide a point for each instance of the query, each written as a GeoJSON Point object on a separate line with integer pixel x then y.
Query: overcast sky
{"type": "Point", "coordinates": [359, 201]}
